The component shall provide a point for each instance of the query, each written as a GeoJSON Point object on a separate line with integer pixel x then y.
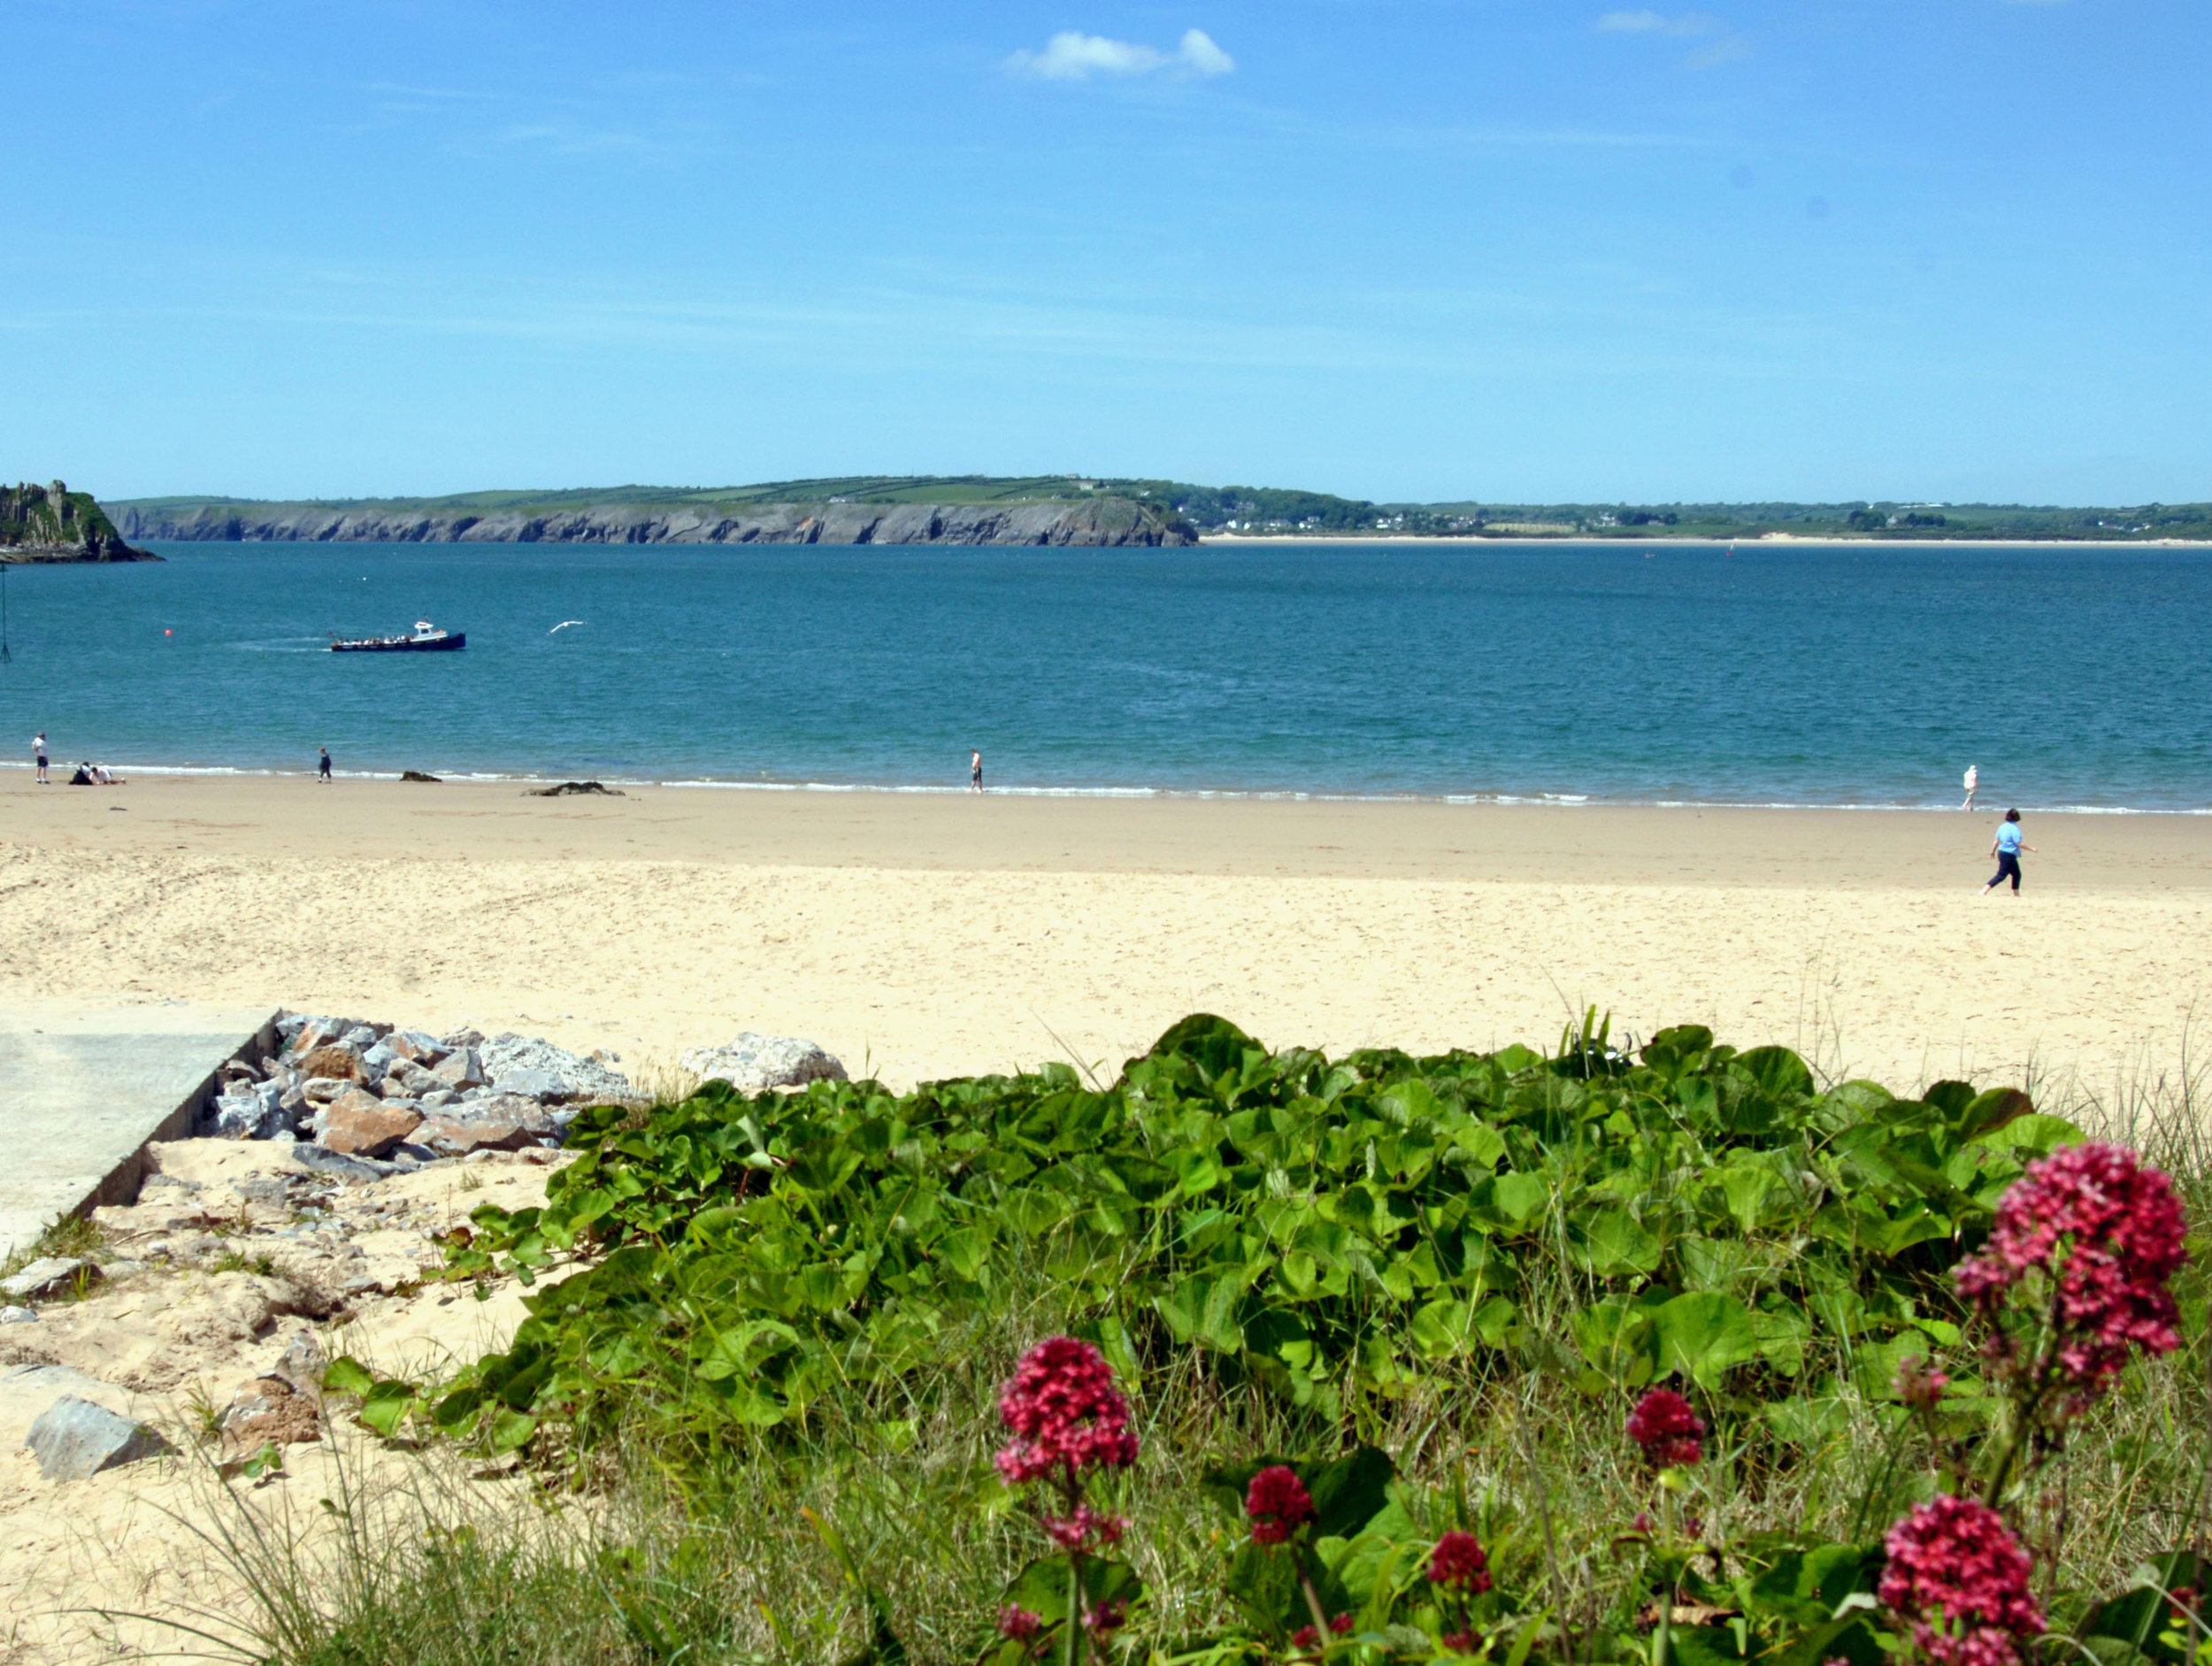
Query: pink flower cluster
{"type": "Point", "coordinates": [2109, 1232]}
{"type": "Point", "coordinates": [1959, 1579]}
{"type": "Point", "coordinates": [1667, 1430]}
{"type": "Point", "coordinates": [1459, 1560]}
{"type": "Point", "coordinates": [1277, 1503]}
{"type": "Point", "coordinates": [1066, 1415]}
{"type": "Point", "coordinates": [1018, 1623]}
{"type": "Point", "coordinates": [1918, 1386]}
{"type": "Point", "coordinates": [1307, 1637]}
{"type": "Point", "coordinates": [1085, 1528]}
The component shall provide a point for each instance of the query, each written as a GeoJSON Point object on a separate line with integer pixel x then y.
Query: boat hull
{"type": "Point", "coordinates": [404, 644]}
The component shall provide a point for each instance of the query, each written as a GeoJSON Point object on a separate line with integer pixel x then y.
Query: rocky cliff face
{"type": "Point", "coordinates": [1104, 521]}
{"type": "Point", "coordinates": [52, 523]}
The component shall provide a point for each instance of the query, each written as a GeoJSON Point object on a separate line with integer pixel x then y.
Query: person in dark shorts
{"type": "Point", "coordinates": [38, 757]}
{"type": "Point", "coordinates": [322, 768]}
{"type": "Point", "coordinates": [2006, 848]}
{"type": "Point", "coordinates": [975, 771]}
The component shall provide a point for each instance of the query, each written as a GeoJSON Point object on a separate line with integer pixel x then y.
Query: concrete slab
{"type": "Point", "coordinates": [84, 1089]}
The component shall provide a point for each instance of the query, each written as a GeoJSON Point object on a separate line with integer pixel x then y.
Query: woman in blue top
{"type": "Point", "coordinates": [2007, 849]}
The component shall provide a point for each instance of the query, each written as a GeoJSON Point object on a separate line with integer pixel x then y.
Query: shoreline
{"type": "Point", "coordinates": [1719, 847]}
{"type": "Point", "coordinates": [128, 771]}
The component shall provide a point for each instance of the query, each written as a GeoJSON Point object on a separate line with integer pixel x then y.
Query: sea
{"type": "Point", "coordinates": [1865, 676]}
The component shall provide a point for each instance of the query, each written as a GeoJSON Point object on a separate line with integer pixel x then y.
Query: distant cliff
{"type": "Point", "coordinates": [52, 523]}
{"type": "Point", "coordinates": [1091, 521]}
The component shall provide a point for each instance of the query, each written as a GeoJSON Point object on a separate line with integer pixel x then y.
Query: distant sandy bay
{"type": "Point", "coordinates": [921, 935]}
{"type": "Point", "coordinates": [1767, 541]}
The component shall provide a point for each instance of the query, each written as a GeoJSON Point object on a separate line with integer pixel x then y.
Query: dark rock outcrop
{"type": "Point", "coordinates": [1093, 522]}
{"type": "Point", "coordinates": [52, 523]}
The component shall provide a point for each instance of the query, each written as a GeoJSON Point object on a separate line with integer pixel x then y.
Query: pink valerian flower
{"type": "Point", "coordinates": [1667, 1430]}
{"type": "Point", "coordinates": [1959, 1579]}
{"type": "Point", "coordinates": [1277, 1503]}
{"type": "Point", "coordinates": [1458, 1642]}
{"type": "Point", "coordinates": [1066, 1415]}
{"type": "Point", "coordinates": [1459, 1560]}
{"type": "Point", "coordinates": [2104, 1234]}
{"type": "Point", "coordinates": [1307, 1637]}
{"type": "Point", "coordinates": [1105, 1618]}
{"type": "Point", "coordinates": [1919, 1387]}
{"type": "Point", "coordinates": [1018, 1623]}
{"type": "Point", "coordinates": [1086, 1527]}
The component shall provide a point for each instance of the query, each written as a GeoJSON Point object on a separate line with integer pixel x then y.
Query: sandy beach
{"type": "Point", "coordinates": [918, 936]}
{"type": "Point", "coordinates": [1686, 540]}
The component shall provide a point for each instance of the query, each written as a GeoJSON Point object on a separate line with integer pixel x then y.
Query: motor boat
{"type": "Point", "coordinates": [428, 639]}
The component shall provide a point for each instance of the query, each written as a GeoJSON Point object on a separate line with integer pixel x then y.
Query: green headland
{"type": "Point", "coordinates": [1100, 509]}
{"type": "Point", "coordinates": [51, 523]}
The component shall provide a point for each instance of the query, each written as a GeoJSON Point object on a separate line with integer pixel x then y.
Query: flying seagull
{"type": "Point", "coordinates": [563, 626]}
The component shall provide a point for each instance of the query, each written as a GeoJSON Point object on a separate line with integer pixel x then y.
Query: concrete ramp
{"type": "Point", "coordinates": [84, 1089]}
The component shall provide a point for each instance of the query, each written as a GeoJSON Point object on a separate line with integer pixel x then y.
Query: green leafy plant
{"type": "Point", "coordinates": [1317, 1227]}
{"type": "Point", "coordinates": [865, 1265]}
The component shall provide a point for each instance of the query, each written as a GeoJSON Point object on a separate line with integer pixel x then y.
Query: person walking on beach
{"type": "Point", "coordinates": [975, 771]}
{"type": "Point", "coordinates": [322, 767]}
{"type": "Point", "coordinates": [1973, 786]}
{"type": "Point", "coordinates": [2007, 848]}
{"type": "Point", "coordinates": [38, 757]}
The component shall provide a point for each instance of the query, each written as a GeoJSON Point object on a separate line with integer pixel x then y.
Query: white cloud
{"type": "Point", "coordinates": [1202, 55]}
{"type": "Point", "coordinates": [1073, 56]}
{"type": "Point", "coordinates": [1654, 23]}
{"type": "Point", "coordinates": [1723, 45]}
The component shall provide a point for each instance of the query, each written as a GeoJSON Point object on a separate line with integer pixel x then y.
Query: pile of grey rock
{"type": "Point", "coordinates": [352, 1091]}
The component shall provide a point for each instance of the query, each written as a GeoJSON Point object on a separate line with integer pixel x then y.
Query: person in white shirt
{"type": "Point", "coordinates": [1973, 786]}
{"type": "Point", "coordinates": [38, 757]}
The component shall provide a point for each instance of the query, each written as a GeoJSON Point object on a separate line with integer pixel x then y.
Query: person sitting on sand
{"type": "Point", "coordinates": [2006, 848]}
{"type": "Point", "coordinates": [82, 776]}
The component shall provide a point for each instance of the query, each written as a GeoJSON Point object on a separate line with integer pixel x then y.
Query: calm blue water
{"type": "Point", "coordinates": [1800, 676]}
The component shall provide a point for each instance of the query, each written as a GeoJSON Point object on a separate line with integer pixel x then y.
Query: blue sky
{"type": "Point", "coordinates": [1940, 250]}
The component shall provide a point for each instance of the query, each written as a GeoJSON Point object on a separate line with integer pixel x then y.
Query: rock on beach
{"type": "Point", "coordinates": [753, 1063]}
{"type": "Point", "coordinates": [332, 1063]}
{"type": "Point", "coordinates": [454, 1139]}
{"type": "Point", "coordinates": [537, 1070]}
{"type": "Point", "coordinates": [359, 1125]}
{"type": "Point", "coordinates": [48, 1276]}
{"type": "Point", "coordinates": [73, 1438]}
{"type": "Point", "coordinates": [462, 1068]}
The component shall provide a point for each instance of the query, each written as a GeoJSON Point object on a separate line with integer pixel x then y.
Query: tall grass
{"type": "Point", "coordinates": [761, 1552]}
